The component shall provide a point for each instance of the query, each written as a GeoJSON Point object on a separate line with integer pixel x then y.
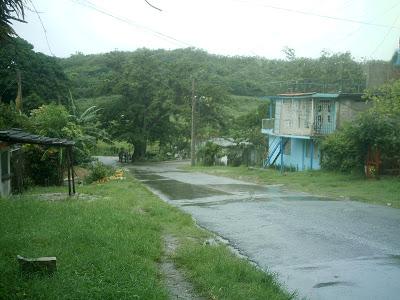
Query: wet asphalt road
{"type": "Point", "coordinates": [321, 248]}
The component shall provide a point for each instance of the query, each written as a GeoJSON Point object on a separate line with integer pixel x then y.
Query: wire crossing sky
{"type": "Point", "coordinates": [369, 29]}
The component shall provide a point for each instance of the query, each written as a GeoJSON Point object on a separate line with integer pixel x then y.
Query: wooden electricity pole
{"type": "Point", "coordinates": [193, 139]}
{"type": "Point", "coordinates": [18, 99]}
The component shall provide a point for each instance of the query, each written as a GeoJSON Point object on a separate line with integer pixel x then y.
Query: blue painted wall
{"type": "Point", "coordinates": [300, 154]}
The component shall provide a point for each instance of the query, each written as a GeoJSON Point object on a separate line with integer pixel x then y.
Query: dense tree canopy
{"type": "Point", "coordinates": [95, 75]}
{"type": "Point", "coordinates": [42, 78]}
{"type": "Point", "coordinates": [145, 96]}
{"type": "Point", "coordinates": [154, 90]}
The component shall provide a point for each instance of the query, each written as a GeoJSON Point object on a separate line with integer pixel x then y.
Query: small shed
{"type": "Point", "coordinates": [17, 136]}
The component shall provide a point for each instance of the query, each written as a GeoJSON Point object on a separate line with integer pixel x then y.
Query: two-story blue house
{"type": "Point", "coordinates": [297, 121]}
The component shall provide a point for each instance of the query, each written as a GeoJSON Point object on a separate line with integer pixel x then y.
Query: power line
{"type": "Point", "coordinates": [384, 38]}
{"type": "Point", "coordinates": [371, 20]}
{"type": "Point", "coordinates": [151, 5]}
{"type": "Point", "coordinates": [169, 38]}
{"type": "Point", "coordinates": [43, 27]}
{"type": "Point", "coordinates": [308, 13]}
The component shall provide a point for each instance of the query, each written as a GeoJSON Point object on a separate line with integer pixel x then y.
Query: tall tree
{"type": "Point", "coordinates": [10, 10]}
{"type": "Point", "coordinates": [42, 78]}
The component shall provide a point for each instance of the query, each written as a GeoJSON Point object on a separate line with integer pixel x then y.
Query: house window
{"type": "Point", "coordinates": [4, 164]}
{"type": "Point", "coordinates": [329, 118]}
{"type": "Point", "coordinates": [287, 149]}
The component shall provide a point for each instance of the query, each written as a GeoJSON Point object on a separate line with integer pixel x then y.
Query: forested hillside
{"type": "Point", "coordinates": [43, 80]}
{"type": "Point", "coordinates": [98, 75]}
{"type": "Point", "coordinates": [145, 96]}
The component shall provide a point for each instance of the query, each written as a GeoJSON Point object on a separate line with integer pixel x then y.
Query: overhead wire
{"type": "Point", "coordinates": [166, 37]}
{"type": "Point", "coordinates": [391, 8]}
{"type": "Point", "coordinates": [43, 27]}
{"type": "Point", "coordinates": [309, 13]}
{"type": "Point", "coordinates": [384, 38]}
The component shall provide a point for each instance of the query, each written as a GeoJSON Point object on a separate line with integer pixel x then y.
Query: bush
{"type": "Point", "coordinates": [347, 149]}
{"type": "Point", "coordinates": [235, 156]}
{"type": "Point", "coordinates": [208, 153]}
{"type": "Point", "coordinates": [341, 151]}
{"type": "Point", "coordinates": [98, 171]}
{"type": "Point", "coordinates": [44, 166]}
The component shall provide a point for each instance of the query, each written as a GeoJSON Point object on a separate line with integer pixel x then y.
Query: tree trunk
{"type": "Point", "coordinates": [140, 150]}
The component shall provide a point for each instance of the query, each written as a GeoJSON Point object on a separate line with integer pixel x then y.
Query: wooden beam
{"type": "Point", "coordinates": [71, 156]}
{"type": "Point", "coordinates": [69, 174]}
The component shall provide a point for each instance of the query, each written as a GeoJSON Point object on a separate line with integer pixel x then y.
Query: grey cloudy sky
{"type": "Point", "coordinates": [366, 28]}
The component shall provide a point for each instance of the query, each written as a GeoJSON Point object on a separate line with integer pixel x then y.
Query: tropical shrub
{"type": "Point", "coordinates": [208, 154]}
{"type": "Point", "coordinates": [375, 130]}
{"type": "Point", "coordinates": [98, 171]}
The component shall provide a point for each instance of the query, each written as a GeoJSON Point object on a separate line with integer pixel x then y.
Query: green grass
{"type": "Point", "coordinates": [226, 276]}
{"type": "Point", "coordinates": [241, 105]}
{"type": "Point", "coordinates": [110, 248]}
{"type": "Point", "coordinates": [331, 184]}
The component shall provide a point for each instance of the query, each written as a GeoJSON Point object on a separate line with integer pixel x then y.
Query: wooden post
{"type": "Point", "coordinates": [71, 156]}
{"type": "Point", "coordinates": [18, 99]}
{"type": "Point", "coordinates": [193, 137]}
{"type": "Point", "coordinates": [281, 145]}
{"type": "Point", "coordinates": [311, 153]}
{"type": "Point", "coordinates": [69, 173]}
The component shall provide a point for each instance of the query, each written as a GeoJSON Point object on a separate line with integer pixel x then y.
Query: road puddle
{"type": "Point", "coordinates": [333, 283]}
{"type": "Point", "coordinates": [241, 188]}
{"type": "Point", "coordinates": [177, 190]}
{"type": "Point", "coordinates": [148, 176]}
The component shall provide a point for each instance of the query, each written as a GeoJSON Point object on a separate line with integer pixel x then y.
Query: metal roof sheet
{"type": "Point", "coordinates": [16, 135]}
{"type": "Point", "coordinates": [325, 96]}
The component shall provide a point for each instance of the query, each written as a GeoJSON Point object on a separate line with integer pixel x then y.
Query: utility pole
{"type": "Point", "coordinates": [193, 140]}
{"type": "Point", "coordinates": [18, 99]}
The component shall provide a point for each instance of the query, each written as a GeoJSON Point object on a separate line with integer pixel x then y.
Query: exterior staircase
{"type": "Point", "coordinates": [274, 151]}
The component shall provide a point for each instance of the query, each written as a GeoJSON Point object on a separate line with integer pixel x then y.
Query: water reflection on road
{"type": "Point", "coordinates": [323, 248]}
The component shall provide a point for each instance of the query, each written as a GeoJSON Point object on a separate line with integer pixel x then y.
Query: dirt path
{"type": "Point", "coordinates": [178, 286]}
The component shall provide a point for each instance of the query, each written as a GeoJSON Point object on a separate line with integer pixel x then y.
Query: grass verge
{"type": "Point", "coordinates": [385, 191]}
{"type": "Point", "coordinates": [109, 247]}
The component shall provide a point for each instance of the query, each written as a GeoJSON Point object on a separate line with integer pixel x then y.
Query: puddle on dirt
{"type": "Point", "coordinates": [312, 268]}
{"type": "Point", "coordinates": [221, 202]}
{"type": "Point", "coordinates": [333, 283]}
{"type": "Point", "coordinates": [148, 176]}
{"type": "Point", "coordinates": [391, 260]}
{"type": "Point", "coordinates": [306, 198]}
{"type": "Point", "coordinates": [177, 190]}
{"type": "Point", "coordinates": [240, 188]}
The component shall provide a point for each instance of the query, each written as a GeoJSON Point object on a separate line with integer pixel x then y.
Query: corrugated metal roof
{"type": "Point", "coordinates": [16, 135]}
{"type": "Point", "coordinates": [296, 94]}
{"type": "Point", "coordinates": [326, 96]}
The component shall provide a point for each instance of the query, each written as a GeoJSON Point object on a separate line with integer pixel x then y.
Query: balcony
{"type": "Point", "coordinates": [267, 125]}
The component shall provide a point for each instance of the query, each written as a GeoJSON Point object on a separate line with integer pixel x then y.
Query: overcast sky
{"type": "Point", "coordinates": [366, 28]}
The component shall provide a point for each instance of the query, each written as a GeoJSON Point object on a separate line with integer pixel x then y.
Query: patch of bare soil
{"type": "Point", "coordinates": [65, 196]}
{"type": "Point", "coordinates": [178, 286]}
